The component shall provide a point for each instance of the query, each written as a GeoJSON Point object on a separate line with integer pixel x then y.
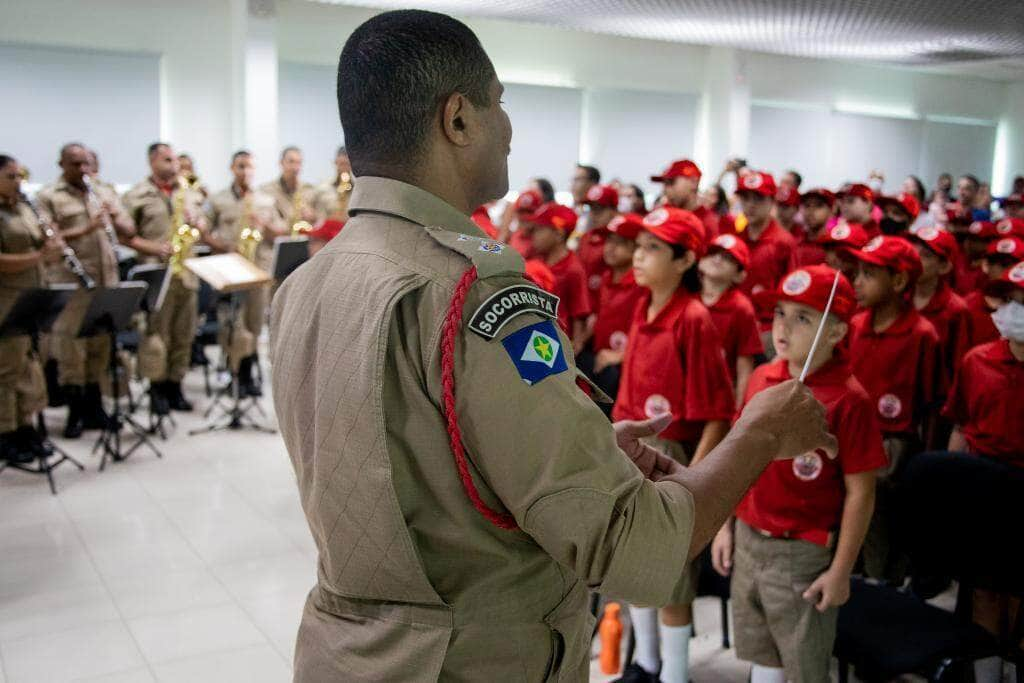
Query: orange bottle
{"type": "Point", "coordinates": [611, 639]}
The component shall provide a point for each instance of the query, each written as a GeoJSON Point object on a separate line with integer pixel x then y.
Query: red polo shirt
{"type": "Point", "coordinates": [772, 257]}
{"type": "Point", "coordinates": [947, 312]}
{"type": "Point", "coordinates": [736, 322]}
{"type": "Point", "coordinates": [986, 402]}
{"type": "Point", "coordinates": [808, 252]}
{"type": "Point", "coordinates": [591, 254]}
{"type": "Point", "coordinates": [711, 221]}
{"type": "Point", "coordinates": [522, 242]}
{"type": "Point", "coordinates": [614, 307]}
{"type": "Point", "coordinates": [967, 277]}
{"type": "Point", "coordinates": [571, 289]}
{"type": "Point", "coordinates": [806, 494]}
{"type": "Point", "coordinates": [981, 328]}
{"type": "Point", "coordinates": [897, 367]}
{"type": "Point", "coordinates": [871, 228]}
{"type": "Point", "coordinates": [675, 364]}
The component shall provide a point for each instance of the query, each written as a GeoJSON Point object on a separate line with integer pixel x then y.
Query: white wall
{"type": "Point", "coordinates": [308, 110]}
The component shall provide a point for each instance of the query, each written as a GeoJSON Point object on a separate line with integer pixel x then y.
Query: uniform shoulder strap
{"type": "Point", "coordinates": [489, 257]}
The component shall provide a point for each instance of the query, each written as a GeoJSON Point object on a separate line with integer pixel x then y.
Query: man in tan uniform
{"type": "Point", "coordinates": [230, 212]}
{"type": "Point", "coordinates": [332, 196]}
{"type": "Point", "coordinates": [293, 199]}
{"type": "Point", "coordinates": [160, 206]}
{"type": "Point", "coordinates": [464, 494]}
{"type": "Point", "coordinates": [23, 252]}
{"type": "Point", "coordinates": [80, 216]}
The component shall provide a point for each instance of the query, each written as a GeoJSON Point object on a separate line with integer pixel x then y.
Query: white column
{"type": "Point", "coordinates": [1008, 160]}
{"type": "Point", "coordinates": [255, 88]}
{"type": "Point", "coordinates": [723, 120]}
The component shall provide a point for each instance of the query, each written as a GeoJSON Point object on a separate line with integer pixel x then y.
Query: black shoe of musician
{"type": "Point", "coordinates": [158, 403]}
{"type": "Point", "coordinates": [76, 419]}
{"type": "Point", "coordinates": [94, 416]}
{"type": "Point", "coordinates": [34, 441]}
{"type": "Point", "coordinates": [13, 451]}
{"type": "Point", "coordinates": [54, 390]}
{"type": "Point", "coordinates": [255, 388]}
{"type": "Point", "coordinates": [175, 398]}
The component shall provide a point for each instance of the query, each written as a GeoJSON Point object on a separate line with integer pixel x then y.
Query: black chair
{"type": "Point", "coordinates": [958, 517]}
{"type": "Point", "coordinates": [207, 330]}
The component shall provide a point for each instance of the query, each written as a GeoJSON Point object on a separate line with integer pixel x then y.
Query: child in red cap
{"type": "Point", "coordinates": [894, 352]}
{"type": "Point", "coordinates": [898, 213]}
{"type": "Point", "coordinates": [682, 190]}
{"type": "Point", "coordinates": [551, 226]}
{"type": "Point", "coordinates": [614, 305]}
{"type": "Point", "coordinates": [816, 206]}
{"type": "Point", "coordinates": [721, 271]}
{"type": "Point", "coordinates": [838, 241]}
{"type": "Point", "coordinates": [673, 364]}
{"type": "Point", "coordinates": [800, 528]}
{"type": "Point", "coordinates": [519, 232]}
{"type": "Point", "coordinates": [856, 202]}
{"type": "Point", "coordinates": [772, 249]}
{"type": "Point", "coordinates": [986, 407]}
{"type": "Point", "coordinates": [968, 271]}
{"type": "Point", "coordinates": [787, 207]}
{"type": "Point", "coordinates": [999, 257]}
{"type": "Point", "coordinates": [603, 202]}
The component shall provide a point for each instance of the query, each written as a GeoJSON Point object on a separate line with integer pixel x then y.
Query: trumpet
{"type": "Point", "coordinates": [299, 225]}
{"type": "Point", "coordinates": [94, 202]}
{"type": "Point", "coordinates": [71, 260]}
{"type": "Point", "coordinates": [249, 237]}
{"type": "Point", "coordinates": [183, 235]}
{"type": "Point", "coordinates": [344, 183]}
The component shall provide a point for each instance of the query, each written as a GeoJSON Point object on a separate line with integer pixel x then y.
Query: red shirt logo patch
{"type": "Point", "coordinates": [807, 467]}
{"type": "Point", "coordinates": [594, 282]}
{"type": "Point", "coordinates": [656, 405]}
{"type": "Point", "coordinates": [890, 406]}
{"type": "Point", "coordinates": [618, 340]}
{"type": "Point", "coordinates": [840, 231]}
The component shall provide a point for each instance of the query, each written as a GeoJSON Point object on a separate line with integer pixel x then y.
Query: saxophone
{"type": "Point", "coordinates": [183, 235]}
{"type": "Point", "coordinates": [71, 261]}
{"type": "Point", "coordinates": [94, 202]}
{"type": "Point", "coordinates": [299, 226]}
{"type": "Point", "coordinates": [249, 237]}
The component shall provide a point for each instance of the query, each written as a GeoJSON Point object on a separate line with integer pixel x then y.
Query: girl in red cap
{"type": "Point", "coordinates": [673, 364]}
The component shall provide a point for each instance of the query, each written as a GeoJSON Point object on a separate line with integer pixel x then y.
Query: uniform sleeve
{"type": "Point", "coordinates": [547, 454]}
{"type": "Point", "coordinates": [856, 427]}
{"type": "Point", "coordinates": [748, 336]}
{"type": "Point", "coordinates": [709, 394]}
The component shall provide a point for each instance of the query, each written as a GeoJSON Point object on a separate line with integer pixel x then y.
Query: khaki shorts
{"type": "Point", "coordinates": [774, 625]}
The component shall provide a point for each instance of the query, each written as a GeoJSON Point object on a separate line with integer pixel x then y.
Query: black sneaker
{"type": "Point", "coordinates": [175, 398]}
{"type": "Point", "coordinates": [34, 441]}
{"type": "Point", "coordinates": [13, 451]}
{"type": "Point", "coordinates": [158, 403]}
{"type": "Point", "coordinates": [634, 673]}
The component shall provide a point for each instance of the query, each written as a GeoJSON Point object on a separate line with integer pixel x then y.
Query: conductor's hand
{"type": "Point", "coordinates": [654, 464]}
{"type": "Point", "coordinates": [791, 414]}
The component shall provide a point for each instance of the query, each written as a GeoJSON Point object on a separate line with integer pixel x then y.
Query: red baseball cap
{"type": "Point", "coordinates": [758, 183]}
{"type": "Point", "coordinates": [734, 247]}
{"type": "Point", "coordinates": [603, 195]}
{"type": "Point", "coordinates": [982, 230]}
{"type": "Point", "coordinates": [1010, 226]}
{"type": "Point", "coordinates": [627, 225]}
{"type": "Point", "coordinates": [907, 202]}
{"type": "Point", "coordinates": [682, 168]}
{"type": "Point", "coordinates": [857, 190]}
{"type": "Point", "coordinates": [812, 285]}
{"type": "Point", "coordinates": [787, 196]}
{"type": "Point", "coordinates": [890, 252]}
{"type": "Point", "coordinates": [1011, 277]}
{"type": "Point", "coordinates": [1012, 247]}
{"type": "Point", "coordinates": [844, 234]}
{"type": "Point", "coordinates": [538, 272]}
{"type": "Point", "coordinates": [528, 201]}
{"type": "Point", "coordinates": [938, 240]}
{"type": "Point", "coordinates": [827, 195]}
{"type": "Point", "coordinates": [554, 215]}
{"type": "Point", "coordinates": [676, 226]}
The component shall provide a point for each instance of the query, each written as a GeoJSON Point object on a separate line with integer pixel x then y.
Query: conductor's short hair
{"type": "Point", "coordinates": [393, 73]}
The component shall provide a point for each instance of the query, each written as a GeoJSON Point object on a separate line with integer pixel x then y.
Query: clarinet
{"type": "Point", "coordinates": [71, 261]}
{"type": "Point", "coordinates": [95, 201]}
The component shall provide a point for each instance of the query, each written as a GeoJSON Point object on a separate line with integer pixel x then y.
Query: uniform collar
{"type": "Point", "coordinates": [835, 368]}
{"type": "Point", "coordinates": [1001, 352]}
{"type": "Point", "coordinates": [385, 195]}
{"type": "Point", "coordinates": [940, 299]}
{"type": "Point", "coordinates": [679, 299]}
{"type": "Point", "coordinates": [904, 322]}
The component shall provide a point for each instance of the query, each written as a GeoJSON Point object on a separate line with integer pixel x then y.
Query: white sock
{"type": "Point", "coordinates": [675, 653]}
{"type": "Point", "coordinates": [988, 670]}
{"type": "Point", "coordinates": [766, 674]}
{"type": "Point", "coordinates": [645, 628]}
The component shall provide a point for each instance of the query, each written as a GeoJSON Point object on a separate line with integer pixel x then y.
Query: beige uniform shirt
{"type": "Point", "coordinates": [225, 211]}
{"type": "Point", "coordinates": [153, 213]}
{"type": "Point", "coordinates": [289, 211]}
{"type": "Point", "coordinates": [19, 233]}
{"type": "Point", "coordinates": [69, 209]}
{"type": "Point", "coordinates": [414, 583]}
{"type": "Point", "coordinates": [329, 202]}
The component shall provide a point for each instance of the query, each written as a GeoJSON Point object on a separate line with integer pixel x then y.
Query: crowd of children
{"type": "Point", "coordinates": [691, 310]}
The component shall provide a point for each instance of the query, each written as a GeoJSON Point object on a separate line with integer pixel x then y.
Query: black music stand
{"type": "Point", "coordinates": [34, 313]}
{"type": "Point", "coordinates": [289, 254]}
{"type": "Point", "coordinates": [158, 279]}
{"type": "Point", "coordinates": [110, 311]}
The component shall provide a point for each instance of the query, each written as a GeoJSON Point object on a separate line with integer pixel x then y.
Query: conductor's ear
{"type": "Point", "coordinates": [456, 119]}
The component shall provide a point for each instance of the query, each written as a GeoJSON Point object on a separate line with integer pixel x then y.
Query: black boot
{"type": "Point", "coordinates": [13, 450]}
{"type": "Point", "coordinates": [175, 398]}
{"type": "Point", "coordinates": [245, 386]}
{"type": "Point", "coordinates": [76, 420]}
{"type": "Point", "coordinates": [158, 403]}
{"type": "Point", "coordinates": [255, 387]}
{"type": "Point", "coordinates": [95, 417]}
{"type": "Point", "coordinates": [54, 391]}
{"type": "Point", "coordinates": [33, 440]}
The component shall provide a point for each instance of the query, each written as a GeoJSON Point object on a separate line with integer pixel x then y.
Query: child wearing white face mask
{"type": "Point", "coordinates": [986, 406]}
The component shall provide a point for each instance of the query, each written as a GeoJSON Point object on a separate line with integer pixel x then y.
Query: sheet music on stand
{"type": "Point", "coordinates": [158, 279]}
{"type": "Point", "coordinates": [228, 272]}
{"type": "Point", "coordinates": [289, 254]}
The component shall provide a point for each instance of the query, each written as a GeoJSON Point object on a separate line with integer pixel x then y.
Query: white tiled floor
{"type": "Point", "coordinates": [190, 568]}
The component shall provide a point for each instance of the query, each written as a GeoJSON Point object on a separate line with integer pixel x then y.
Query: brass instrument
{"type": "Point", "coordinates": [299, 226]}
{"type": "Point", "coordinates": [97, 205]}
{"type": "Point", "coordinates": [344, 183]}
{"type": "Point", "coordinates": [249, 237]}
{"type": "Point", "coordinates": [71, 261]}
{"type": "Point", "coordinates": [183, 235]}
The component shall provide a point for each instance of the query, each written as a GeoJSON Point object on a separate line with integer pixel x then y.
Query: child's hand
{"type": "Point", "coordinates": [721, 550]}
{"type": "Point", "coordinates": [831, 589]}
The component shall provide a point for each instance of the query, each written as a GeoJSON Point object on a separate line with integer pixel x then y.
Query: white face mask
{"type": "Point", "coordinates": [1009, 320]}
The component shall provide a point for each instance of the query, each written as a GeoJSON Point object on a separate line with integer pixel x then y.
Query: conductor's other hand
{"type": "Point", "coordinates": [652, 463]}
{"type": "Point", "coordinates": [790, 413]}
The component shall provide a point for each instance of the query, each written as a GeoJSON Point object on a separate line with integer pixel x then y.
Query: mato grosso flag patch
{"type": "Point", "coordinates": [536, 351]}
